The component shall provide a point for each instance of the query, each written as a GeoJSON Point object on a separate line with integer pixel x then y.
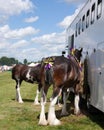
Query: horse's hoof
{"type": "Point", "coordinates": [60, 105]}
{"type": "Point", "coordinates": [36, 103]}
{"type": "Point", "coordinates": [20, 101]}
{"type": "Point", "coordinates": [50, 99]}
{"type": "Point", "coordinates": [43, 122]}
{"type": "Point", "coordinates": [77, 112]}
{"type": "Point", "coordinates": [55, 122]}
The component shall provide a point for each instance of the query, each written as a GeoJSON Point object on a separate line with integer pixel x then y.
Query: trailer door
{"type": "Point", "coordinates": [100, 76]}
{"type": "Point", "coordinates": [97, 77]}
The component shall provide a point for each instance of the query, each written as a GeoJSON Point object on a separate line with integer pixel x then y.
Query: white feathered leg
{"type": "Point", "coordinates": [52, 120]}
{"type": "Point", "coordinates": [36, 101]}
{"type": "Point", "coordinates": [18, 95]}
{"type": "Point", "coordinates": [42, 120]}
{"type": "Point", "coordinates": [76, 103]}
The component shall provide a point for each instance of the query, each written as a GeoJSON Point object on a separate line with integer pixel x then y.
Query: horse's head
{"type": "Point", "coordinates": [77, 53]}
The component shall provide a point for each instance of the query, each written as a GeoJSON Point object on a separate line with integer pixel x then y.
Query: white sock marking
{"type": "Point", "coordinates": [76, 103]}
{"type": "Point", "coordinates": [42, 120]}
{"type": "Point", "coordinates": [36, 101]}
{"type": "Point", "coordinates": [28, 74]}
{"type": "Point", "coordinates": [52, 120]}
{"type": "Point", "coordinates": [18, 95]}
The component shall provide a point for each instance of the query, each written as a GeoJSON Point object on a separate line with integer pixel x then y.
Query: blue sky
{"type": "Point", "coordinates": [34, 29]}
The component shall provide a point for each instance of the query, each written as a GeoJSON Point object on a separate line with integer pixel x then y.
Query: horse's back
{"type": "Point", "coordinates": [17, 69]}
{"type": "Point", "coordinates": [60, 60]}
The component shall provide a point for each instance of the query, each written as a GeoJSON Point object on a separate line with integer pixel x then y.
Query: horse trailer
{"type": "Point", "coordinates": [86, 31]}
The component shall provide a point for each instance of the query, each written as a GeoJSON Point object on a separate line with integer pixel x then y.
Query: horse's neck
{"type": "Point", "coordinates": [74, 60]}
{"type": "Point", "coordinates": [77, 62]}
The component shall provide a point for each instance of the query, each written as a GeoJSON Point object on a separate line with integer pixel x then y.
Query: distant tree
{"type": "Point", "coordinates": [4, 60]}
{"type": "Point", "coordinates": [25, 61]}
{"type": "Point", "coordinates": [8, 61]}
{"type": "Point", "coordinates": [12, 60]}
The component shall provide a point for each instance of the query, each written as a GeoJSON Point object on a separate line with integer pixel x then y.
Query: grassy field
{"type": "Point", "coordinates": [15, 116]}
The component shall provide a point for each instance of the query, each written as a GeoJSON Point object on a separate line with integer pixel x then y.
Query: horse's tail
{"type": "Point", "coordinates": [48, 76]}
{"type": "Point", "coordinates": [12, 75]}
{"type": "Point", "coordinates": [13, 72]}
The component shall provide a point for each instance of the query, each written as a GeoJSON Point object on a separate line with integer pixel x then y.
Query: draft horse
{"type": "Point", "coordinates": [65, 74]}
{"type": "Point", "coordinates": [29, 74]}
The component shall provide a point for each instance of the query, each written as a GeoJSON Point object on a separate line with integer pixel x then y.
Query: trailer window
{"type": "Point", "coordinates": [87, 18]}
{"type": "Point", "coordinates": [99, 8]}
{"type": "Point", "coordinates": [83, 23]}
{"type": "Point", "coordinates": [93, 13]}
{"type": "Point", "coordinates": [79, 26]}
{"type": "Point", "coordinates": [71, 41]}
{"type": "Point", "coordinates": [76, 32]}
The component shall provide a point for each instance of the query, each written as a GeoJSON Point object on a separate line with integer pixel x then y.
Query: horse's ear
{"type": "Point", "coordinates": [81, 49]}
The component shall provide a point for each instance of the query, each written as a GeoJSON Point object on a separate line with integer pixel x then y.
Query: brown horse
{"type": "Point", "coordinates": [64, 74]}
{"type": "Point", "coordinates": [29, 74]}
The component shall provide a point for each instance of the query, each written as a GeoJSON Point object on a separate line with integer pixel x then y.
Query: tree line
{"type": "Point", "coordinates": [8, 61]}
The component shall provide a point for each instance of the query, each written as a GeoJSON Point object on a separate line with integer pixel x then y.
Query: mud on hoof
{"type": "Point", "coordinates": [55, 122]}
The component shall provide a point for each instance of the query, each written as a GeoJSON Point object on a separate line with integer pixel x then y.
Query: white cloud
{"type": "Point", "coordinates": [50, 44]}
{"type": "Point", "coordinates": [53, 38]}
{"type": "Point", "coordinates": [13, 42]}
{"type": "Point", "coordinates": [75, 1]}
{"type": "Point", "coordinates": [14, 7]}
{"type": "Point", "coordinates": [7, 33]}
{"type": "Point", "coordinates": [34, 54]}
{"type": "Point", "coordinates": [19, 44]}
{"type": "Point", "coordinates": [68, 19]}
{"type": "Point", "coordinates": [31, 19]}
{"type": "Point", "coordinates": [34, 50]}
{"type": "Point", "coordinates": [3, 45]}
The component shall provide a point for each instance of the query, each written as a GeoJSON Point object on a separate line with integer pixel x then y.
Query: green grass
{"type": "Point", "coordinates": [15, 116]}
